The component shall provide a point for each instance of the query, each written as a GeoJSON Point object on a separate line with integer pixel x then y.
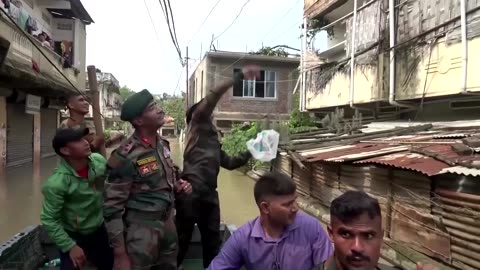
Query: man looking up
{"type": "Point", "coordinates": [78, 107]}
{"type": "Point", "coordinates": [203, 158]}
{"type": "Point", "coordinates": [139, 191]}
{"type": "Point", "coordinates": [72, 208]}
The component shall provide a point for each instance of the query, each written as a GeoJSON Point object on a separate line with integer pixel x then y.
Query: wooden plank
{"type": "Point", "coordinates": [421, 231]}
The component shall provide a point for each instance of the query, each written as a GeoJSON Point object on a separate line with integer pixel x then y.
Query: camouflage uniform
{"type": "Point", "coordinates": [138, 204]}
{"type": "Point", "coordinates": [202, 159]}
{"type": "Point", "coordinates": [85, 124]}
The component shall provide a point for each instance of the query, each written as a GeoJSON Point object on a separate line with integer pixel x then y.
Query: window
{"type": "Point", "coordinates": [264, 87]}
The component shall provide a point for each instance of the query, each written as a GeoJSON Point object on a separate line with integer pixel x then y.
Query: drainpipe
{"type": "Point", "coordinates": [391, 90]}
{"type": "Point", "coordinates": [463, 20]}
{"type": "Point", "coordinates": [352, 55]}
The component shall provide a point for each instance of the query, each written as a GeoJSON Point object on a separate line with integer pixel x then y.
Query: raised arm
{"type": "Point", "coordinates": [232, 163]}
{"type": "Point", "coordinates": [207, 105]}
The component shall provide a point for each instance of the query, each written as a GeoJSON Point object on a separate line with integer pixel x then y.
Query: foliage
{"type": "Point", "coordinates": [302, 129]}
{"type": "Point", "coordinates": [235, 142]}
{"type": "Point", "coordinates": [299, 119]}
{"type": "Point", "coordinates": [108, 133]}
{"type": "Point", "coordinates": [335, 122]}
{"type": "Point", "coordinates": [125, 92]}
{"type": "Point", "coordinates": [269, 51]}
{"type": "Point", "coordinates": [175, 107]}
{"type": "Point", "coordinates": [316, 24]}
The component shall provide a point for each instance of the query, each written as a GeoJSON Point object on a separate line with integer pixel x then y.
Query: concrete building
{"type": "Point", "coordinates": [250, 100]}
{"type": "Point", "coordinates": [405, 60]}
{"type": "Point", "coordinates": [414, 59]}
{"type": "Point", "coordinates": [42, 58]}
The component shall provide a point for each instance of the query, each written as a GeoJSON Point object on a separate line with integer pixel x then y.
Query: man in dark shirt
{"type": "Point", "coordinates": [203, 157]}
{"type": "Point", "coordinates": [356, 231]}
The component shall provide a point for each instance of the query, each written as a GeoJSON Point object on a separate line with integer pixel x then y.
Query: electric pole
{"type": "Point", "coordinates": [187, 91]}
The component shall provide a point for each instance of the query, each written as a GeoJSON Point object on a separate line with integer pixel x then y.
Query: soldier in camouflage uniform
{"type": "Point", "coordinates": [203, 157]}
{"type": "Point", "coordinates": [139, 192]}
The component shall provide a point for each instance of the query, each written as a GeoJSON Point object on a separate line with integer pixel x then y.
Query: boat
{"type": "Point", "coordinates": [32, 249]}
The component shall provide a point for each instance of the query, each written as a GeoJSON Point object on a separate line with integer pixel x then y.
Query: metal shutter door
{"type": "Point", "coordinates": [48, 120]}
{"type": "Point", "coordinates": [19, 135]}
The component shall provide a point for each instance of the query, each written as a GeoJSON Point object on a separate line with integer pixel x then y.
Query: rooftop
{"type": "Point", "coordinates": [446, 147]}
{"type": "Point", "coordinates": [255, 57]}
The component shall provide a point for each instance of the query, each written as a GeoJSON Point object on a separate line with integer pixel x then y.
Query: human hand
{"type": "Point", "coordinates": [121, 261]}
{"type": "Point", "coordinates": [251, 72]}
{"type": "Point", "coordinates": [421, 266]}
{"type": "Point", "coordinates": [183, 186]}
{"type": "Point", "coordinates": [77, 256]}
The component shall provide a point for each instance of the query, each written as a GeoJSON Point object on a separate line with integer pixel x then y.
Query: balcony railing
{"type": "Point", "coordinates": [25, 55]}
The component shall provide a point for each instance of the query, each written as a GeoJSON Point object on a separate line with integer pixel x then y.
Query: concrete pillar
{"type": "Point", "coordinates": [3, 135]}
{"type": "Point", "coordinates": [36, 142]}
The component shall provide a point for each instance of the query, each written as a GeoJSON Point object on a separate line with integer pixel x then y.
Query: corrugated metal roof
{"type": "Point", "coordinates": [351, 152]}
{"type": "Point", "coordinates": [461, 170]}
{"type": "Point", "coordinates": [409, 161]}
{"type": "Point", "coordinates": [410, 152]}
{"type": "Point", "coordinates": [451, 136]}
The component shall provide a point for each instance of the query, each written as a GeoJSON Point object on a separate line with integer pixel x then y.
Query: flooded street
{"type": "Point", "coordinates": [21, 198]}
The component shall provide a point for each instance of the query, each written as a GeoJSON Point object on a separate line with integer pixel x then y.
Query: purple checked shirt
{"type": "Point", "coordinates": [303, 245]}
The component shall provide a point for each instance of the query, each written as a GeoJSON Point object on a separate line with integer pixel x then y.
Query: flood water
{"type": "Point", "coordinates": [21, 198]}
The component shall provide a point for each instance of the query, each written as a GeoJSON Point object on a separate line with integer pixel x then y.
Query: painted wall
{"type": "Point", "coordinates": [60, 33]}
{"type": "Point", "coordinates": [337, 91]}
{"type": "Point", "coordinates": [40, 14]}
{"type": "Point", "coordinates": [442, 75]}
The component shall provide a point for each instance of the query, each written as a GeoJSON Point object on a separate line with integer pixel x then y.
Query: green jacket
{"type": "Point", "coordinates": [73, 204]}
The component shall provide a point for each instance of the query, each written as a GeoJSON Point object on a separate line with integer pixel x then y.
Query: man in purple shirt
{"type": "Point", "coordinates": [280, 238]}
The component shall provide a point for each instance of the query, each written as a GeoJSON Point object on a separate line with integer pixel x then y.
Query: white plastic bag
{"type": "Point", "coordinates": [264, 147]}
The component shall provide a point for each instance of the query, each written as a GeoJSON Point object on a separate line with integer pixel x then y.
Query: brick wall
{"type": "Point", "coordinates": [286, 80]}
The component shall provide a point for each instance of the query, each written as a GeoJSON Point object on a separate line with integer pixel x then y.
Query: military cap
{"type": "Point", "coordinates": [135, 105]}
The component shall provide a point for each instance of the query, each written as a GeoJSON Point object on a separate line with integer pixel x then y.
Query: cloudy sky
{"type": "Point", "coordinates": [123, 41]}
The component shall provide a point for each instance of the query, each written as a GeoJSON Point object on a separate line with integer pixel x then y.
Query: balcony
{"type": "Point", "coordinates": [27, 64]}
{"type": "Point", "coordinates": [317, 8]}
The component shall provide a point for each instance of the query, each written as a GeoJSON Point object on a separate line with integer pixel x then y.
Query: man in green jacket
{"type": "Point", "coordinates": [72, 209]}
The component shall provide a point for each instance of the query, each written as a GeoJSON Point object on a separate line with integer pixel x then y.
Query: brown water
{"type": "Point", "coordinates": [21, 198]}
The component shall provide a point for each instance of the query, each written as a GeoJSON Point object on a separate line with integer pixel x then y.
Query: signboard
{"type": "Point", "coordinates": [32, 104]}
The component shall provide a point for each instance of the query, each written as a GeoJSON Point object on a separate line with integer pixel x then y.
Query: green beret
{"type": "Point", "coordinates": [135, 105]}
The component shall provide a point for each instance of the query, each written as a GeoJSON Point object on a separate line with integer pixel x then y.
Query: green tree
{"type": "Point", "coordinates": [299, 119]}
{"type": "Point", "coordinates": [174, 107]}
{"type": "Point", "coordinates": [269, 51]}
{"type": "Point", "coordinates": [125, 92]}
